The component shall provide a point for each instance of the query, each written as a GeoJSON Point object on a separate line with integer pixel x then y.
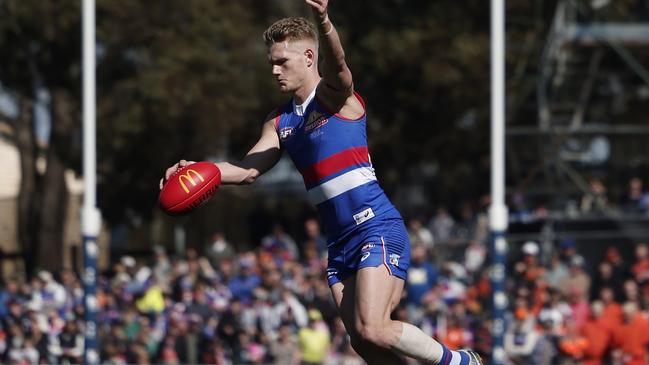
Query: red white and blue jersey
{"type": "Point", "coordinates": [330, 151]}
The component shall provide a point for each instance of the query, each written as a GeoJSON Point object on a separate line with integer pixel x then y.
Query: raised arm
{"type": "Point", "coordinates": [261, 158]}
{"type": "Point", "coordinates": [335, 73]}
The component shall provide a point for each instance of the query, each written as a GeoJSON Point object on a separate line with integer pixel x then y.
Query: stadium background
{"type": "Point", "coordinates": [191, 80]}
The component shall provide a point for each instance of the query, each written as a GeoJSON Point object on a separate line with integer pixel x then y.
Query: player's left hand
{"type": "Point", "coordinates": [319, 8]}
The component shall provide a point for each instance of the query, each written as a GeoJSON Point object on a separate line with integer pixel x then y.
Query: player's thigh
{"type": "Point", "coordinates": [343, 294]}
{"type": "Point", "coordinates": [377, 294]}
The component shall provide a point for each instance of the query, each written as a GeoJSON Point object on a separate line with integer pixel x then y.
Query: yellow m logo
{"type": "Point", "coordinates": [187, 177]}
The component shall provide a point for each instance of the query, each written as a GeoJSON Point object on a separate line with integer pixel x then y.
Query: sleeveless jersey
{"type": "Point", "coordinates": [330, 151]}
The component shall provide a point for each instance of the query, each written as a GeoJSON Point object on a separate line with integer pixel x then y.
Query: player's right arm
{"type": "Point", "coordinates": [262, 157]}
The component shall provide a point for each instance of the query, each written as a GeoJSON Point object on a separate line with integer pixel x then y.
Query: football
{"type": "Point", "coordinates": [189, 188]}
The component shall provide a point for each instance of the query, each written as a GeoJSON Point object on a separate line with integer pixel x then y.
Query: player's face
{"type": "Point", "coordinates": [289, 64]}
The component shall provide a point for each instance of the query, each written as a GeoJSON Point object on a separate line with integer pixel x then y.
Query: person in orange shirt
{"type": "Point", "coordinates": [456, 336]}
{"type": "Point", "coordinates": [598, 335]}
{"type": "Point", "coordinates": [612, 315]}
{"type": "Point", "coordinates": [573, 344]}
{"type": "Point", "coordinates": [632, 337]}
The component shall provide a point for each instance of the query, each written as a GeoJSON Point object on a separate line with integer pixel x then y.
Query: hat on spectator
{"type": "Point", "coordinates": [568, 243]}
{"type": "Point", "coordinates": [531, 248]}
{"type": "Point", "coordinates": [46, 276]}
{"type": "Point", "coordinates": [314, 315]}
{"type": "Point", "coordinates": [577, 260]}
{"type": "Point", "coordinates": [127, 261]}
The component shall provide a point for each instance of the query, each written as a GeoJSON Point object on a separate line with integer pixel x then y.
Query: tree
{"type": "Point", "coordinates": [39, 50]}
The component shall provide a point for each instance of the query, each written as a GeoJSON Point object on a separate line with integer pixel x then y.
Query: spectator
{"type": "Point", "coordinates": [556, 273]}
{"type": "Point", "coordinates": [605, 278]}
{"type": "Point", "coordinates": [636, 199]}
{"type": "Point", "coordinates": [612, 315]}
{"type": "Point", "coordinates": [573, 345]}
{"type": "Point", "coordinates": [442, 225]}
{"type": "Point", "coordinates": [632, 338]}
{"type": "Point", "coordinates": [315, 237]}
{"type": "Point", "coordinates": [595, 200]}
{"type": "Point", "coordinates": [70, 344]}
{"type": "Point", "coordinates": [521, 338]}
{"type": "Point", "coordinates": [577, 280]}
{"type": "Point", "coordinates": [313, 340]}
{"type": "Point", "coordinates": [219, 249]}
{"type": "Point", "coordinates": [620, 268]}
{"type": "Point", "coordinates": [243, 284]}
{"type": "Point", "coordinates": [284, 349]}
{"type": "Point", "coordinates": [280, 243]}
{"type": "Point", "coordinates": [419, 235]}
{"type": "Point", "coordinates": [598, 336]}
{"type": "Point", "coordinates": [640, 268]}
{"type": "Point", "coordinates": [422, 278]}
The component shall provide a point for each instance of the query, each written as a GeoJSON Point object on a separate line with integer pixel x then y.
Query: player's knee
{"type": "Point", "coordinates": [372, 333]}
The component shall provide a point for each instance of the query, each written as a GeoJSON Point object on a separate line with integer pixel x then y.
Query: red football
{"type": "Point", "coordinates": [190, 187]}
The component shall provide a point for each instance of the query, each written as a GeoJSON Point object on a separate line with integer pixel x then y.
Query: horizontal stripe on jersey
{"type": "Point", "coordinates": [335, 163]}
{"type": "Point", "coordinates": [341, 184]}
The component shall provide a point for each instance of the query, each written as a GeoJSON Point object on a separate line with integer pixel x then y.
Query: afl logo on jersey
{"type": "Point", "coordinates": [286, 133]}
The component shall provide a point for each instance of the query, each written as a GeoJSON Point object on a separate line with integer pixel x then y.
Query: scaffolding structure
{"type": "Point", "coordinates": [592, 88]}
{"type": "Point", "coordinates": [590, 99]}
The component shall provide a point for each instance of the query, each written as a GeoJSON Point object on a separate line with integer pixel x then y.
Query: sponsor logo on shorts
{"type": "Point", "coordinates": [365, 256]}
{"type": "Point", "coordinates": [394, 259]}
{"type": "Point", "coordinates": [367, 247]}
{"type": "Point", "coordinates": [286, 133]}
{"type": "Point", "coordinates": [363, 216]}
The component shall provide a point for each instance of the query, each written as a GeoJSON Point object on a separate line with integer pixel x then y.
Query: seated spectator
{"type": "Point", "coordinates": [598, 335]}
{"type": "Point", "coordinates": [632, 337]}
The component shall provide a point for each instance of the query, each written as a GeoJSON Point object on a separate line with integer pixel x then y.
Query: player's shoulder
{"type": "Point", "coordinates": [275, 114]}
{"type": "Point", "coordinates": [346, 103]}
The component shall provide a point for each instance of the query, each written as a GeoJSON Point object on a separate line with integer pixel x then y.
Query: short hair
{"type": "Point", "coordinates": [290, 29]}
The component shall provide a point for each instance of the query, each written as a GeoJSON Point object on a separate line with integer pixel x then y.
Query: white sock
{"type": "Point", "coordinates": [416, 344]}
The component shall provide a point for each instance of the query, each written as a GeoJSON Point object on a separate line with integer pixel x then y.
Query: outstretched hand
{"type": "Point", "coordinates": [172, 170]}
{"type": "Point", "coordinates": [319, 8]}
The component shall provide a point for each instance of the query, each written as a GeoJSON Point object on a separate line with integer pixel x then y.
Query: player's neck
{"type": "Point", "coordinates": [302, 94]}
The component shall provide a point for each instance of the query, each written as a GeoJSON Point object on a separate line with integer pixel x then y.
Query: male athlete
{"type": "Point", "coordinates": [323, 130]}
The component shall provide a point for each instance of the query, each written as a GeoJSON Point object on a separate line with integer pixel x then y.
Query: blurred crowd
{"type": "Point", "coordinates": [271, 304]}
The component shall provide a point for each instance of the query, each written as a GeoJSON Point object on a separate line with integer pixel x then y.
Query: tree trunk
{"type": "Point", "coordinates": [28, 195]}
{"type": "Point", "coordinates": [54, 201]}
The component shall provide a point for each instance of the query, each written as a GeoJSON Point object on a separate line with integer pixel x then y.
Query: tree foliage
{"type": "Point", "coordinates": [191, 80]}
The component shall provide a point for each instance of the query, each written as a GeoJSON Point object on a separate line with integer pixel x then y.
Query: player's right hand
{"type": "Point", "coordinates": [172, 170]}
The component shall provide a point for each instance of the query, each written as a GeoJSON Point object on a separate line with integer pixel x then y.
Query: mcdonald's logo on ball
{"type": "Point", "coordinates": [187, 176]}
{"type": "Point", "coordinates": [189, 188]}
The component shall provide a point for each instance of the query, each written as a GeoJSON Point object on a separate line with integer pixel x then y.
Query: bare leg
{"type": "Point", "coordinates": [377, 293]}
{"type": "Point", "coordinates": [344, 295]}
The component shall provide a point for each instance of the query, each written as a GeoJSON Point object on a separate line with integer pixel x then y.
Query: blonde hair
{"type": "Point", "coordinates": [290, 29]}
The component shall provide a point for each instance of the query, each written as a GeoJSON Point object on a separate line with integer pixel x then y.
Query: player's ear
{"type": "Point", "coordinates": [310, 57]}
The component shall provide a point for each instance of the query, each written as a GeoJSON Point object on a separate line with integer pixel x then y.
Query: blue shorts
{"type": "Point", "coordinates": [383, 242]}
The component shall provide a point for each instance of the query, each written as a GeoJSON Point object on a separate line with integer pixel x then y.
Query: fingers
{"type": "Point", "coordinates": [172, 170]}
{"type": "Point", "coordinates": [318, 5]}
